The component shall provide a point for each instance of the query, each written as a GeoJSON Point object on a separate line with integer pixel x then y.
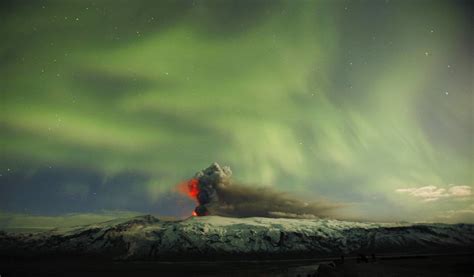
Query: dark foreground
{"type": "Point", "coordinates": [453, 265]}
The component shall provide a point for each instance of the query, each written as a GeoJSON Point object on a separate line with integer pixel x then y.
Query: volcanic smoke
{"type": "Point", "coordinates": [216, 194]}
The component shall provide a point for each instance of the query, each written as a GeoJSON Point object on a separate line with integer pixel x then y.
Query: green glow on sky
{"type": "Point", "coordinates": [344, 100]}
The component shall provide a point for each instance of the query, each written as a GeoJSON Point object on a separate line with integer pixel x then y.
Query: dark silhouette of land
{"type": "Point", "coordinates": [439, 265]}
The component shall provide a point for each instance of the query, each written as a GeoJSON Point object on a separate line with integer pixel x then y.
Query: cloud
{"type": "Point", "coordinates": [433, 193]}
{"type": "Point", "coordinates": [218, 195]}
{"type": "Point", "coordinates": [460, 191]}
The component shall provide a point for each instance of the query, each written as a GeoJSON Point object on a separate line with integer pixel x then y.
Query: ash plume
{"type": "Point", "coordinates": [218, 195]}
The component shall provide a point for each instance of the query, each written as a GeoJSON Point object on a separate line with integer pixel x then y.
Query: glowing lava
{"type": "Point", "coordinates": [193, 188]}
{"type": "Point", "coordinates": [190, 188]}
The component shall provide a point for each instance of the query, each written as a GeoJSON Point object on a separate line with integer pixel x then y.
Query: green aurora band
{"type": "Point", "coordinates": [352, 101]}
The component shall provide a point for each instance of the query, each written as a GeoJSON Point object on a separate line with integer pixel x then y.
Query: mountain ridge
{"type": "Point", "coordinates": [212, 237]}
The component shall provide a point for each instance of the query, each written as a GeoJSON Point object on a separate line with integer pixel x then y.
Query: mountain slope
{"type": "Point", "coordinates": [146, 237]}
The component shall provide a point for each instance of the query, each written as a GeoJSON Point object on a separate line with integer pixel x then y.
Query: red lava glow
{"type": "Point", "coordinates": [193, 188]}
{"type": "Point", "coordinates": [189, 188]}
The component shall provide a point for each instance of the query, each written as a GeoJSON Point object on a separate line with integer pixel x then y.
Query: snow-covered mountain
{"type": "Point", "coordinates": [146, 237]}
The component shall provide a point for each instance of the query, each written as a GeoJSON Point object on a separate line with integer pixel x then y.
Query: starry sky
{"type": "Point", "coordinates": [107, 105]}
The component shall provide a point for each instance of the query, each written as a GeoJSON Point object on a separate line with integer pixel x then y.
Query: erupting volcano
{"type": "Point", "coordinates": [216, 194]}
{"type": "Point", "coordinates": [203, 186]}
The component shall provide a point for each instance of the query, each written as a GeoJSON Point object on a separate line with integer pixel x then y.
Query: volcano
{"type": "Point", "coordinates": [216, 193]}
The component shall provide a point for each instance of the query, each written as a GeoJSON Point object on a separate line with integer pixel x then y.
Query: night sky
{"type": "Point", "coordinates": [107, 105]}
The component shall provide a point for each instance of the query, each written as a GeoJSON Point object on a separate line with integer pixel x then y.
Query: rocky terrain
{"type": "Point", "coordinates": [211, 237]}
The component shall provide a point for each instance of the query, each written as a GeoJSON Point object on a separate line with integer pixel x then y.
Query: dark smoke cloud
{"type": "Point", "coordinates": [218, 195]}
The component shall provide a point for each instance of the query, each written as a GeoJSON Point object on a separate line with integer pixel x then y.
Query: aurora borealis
{"type": "Point", "coordinates": [107, 105]}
